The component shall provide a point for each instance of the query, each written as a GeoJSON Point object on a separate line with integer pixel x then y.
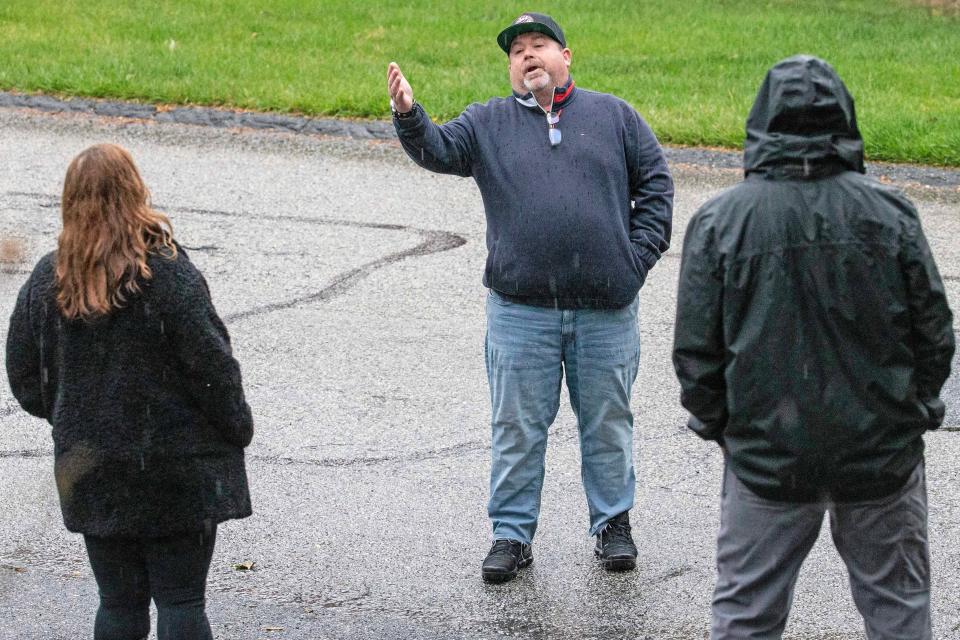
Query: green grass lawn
{"type": "Point", "coordinates": [691, 67]}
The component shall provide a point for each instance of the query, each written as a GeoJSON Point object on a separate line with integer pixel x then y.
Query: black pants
{"type": "Point", "coordinates": [172, 571]}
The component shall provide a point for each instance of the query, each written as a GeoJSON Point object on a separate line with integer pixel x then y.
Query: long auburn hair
{"type": "Point", "coordinates": [109, 229]}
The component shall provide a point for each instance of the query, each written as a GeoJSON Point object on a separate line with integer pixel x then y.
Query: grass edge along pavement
{"type": "Point", "coordinates": [691, 67]}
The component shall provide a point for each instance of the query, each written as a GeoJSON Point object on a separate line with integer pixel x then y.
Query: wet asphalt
{"type": "Point", "coordinates": [350, 282]}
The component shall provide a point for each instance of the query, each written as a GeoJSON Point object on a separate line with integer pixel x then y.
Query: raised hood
{"type": "Point", "coordinates": [802, 124]}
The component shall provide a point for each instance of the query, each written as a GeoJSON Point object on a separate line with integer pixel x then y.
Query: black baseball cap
{"type": "Point", "coordinates": [539, 22]}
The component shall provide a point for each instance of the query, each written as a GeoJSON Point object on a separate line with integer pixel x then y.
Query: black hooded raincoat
{"type": "Point", "coordinates": [813, 333]}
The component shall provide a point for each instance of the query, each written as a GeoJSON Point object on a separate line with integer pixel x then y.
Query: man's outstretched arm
{"type": "Point", "coordinates": [444, 149]}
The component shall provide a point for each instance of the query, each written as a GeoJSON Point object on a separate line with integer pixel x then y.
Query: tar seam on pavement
{"type": "Point", "coordinates": [435, 241]}
{"type": "Point", "coordinates": [926, 177]}
{"type": "Point", "coordinates": [413, 456]}
{"type": "Point", "coordinates": [27, 453]}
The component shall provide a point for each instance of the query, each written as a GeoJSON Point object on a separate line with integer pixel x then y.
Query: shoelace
{"type": "Point", "coordinates": [509, 546]}
{"type": "Point", "coordinates": [616, 532]}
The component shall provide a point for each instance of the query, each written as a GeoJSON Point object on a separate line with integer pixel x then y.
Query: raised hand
{"type": "Point", "coordinates": [399, 89]}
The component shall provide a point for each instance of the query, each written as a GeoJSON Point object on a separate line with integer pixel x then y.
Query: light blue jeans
{"type": "Point", "coordinates": [528, 351]}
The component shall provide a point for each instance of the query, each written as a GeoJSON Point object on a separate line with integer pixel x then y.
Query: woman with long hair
{"type": "Point", "coordinates": [115, 342]}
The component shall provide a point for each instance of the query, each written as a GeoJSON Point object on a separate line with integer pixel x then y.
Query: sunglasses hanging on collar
{"type": "Point", "coordinates": [553, 119]}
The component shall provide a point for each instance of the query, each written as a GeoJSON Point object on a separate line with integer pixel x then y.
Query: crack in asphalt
{"type": "Point", "coordinates": [310, 599]}
{"type": "Point", "coordinates": [27, 453]}
{"type": "Point", "coordinates": [333, 604]}
{"type": "Point", "coordinates": [9, 409]}
{"type": "Point", "coordinates": [670, 575]}
{"type": "Point", "coordinates": [434, 241]}
{"type": "Point", "coordinates": [410, 456]}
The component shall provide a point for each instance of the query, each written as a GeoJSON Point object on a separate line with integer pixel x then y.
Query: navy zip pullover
{"type": "Point", "coordinates": [575, 225]}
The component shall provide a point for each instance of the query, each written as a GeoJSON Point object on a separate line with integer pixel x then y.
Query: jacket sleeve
{"type": "Point", "coordinates": [443, 148]}
{"type": "Point", "coordinates": [698, 348]}
{"type": "Point", "coordinates": [24, 369]}
{"type": "Point", "coordinates": [651, 191]}
{"type": "Point", "coordinates": [930, 317]}
{"type": "Point", "coordinates": [202, 349]}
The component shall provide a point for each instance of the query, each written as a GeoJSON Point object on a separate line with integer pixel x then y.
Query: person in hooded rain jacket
{"type": "Point", "coordinates": [114, 341]}
{"type": "Point", "coordinates": [578, 202]}
{"type": "Point", "coordinates": [812, 339]}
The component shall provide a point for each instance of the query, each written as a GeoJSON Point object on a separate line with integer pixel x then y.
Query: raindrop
{"type": "Point", "coordinates": [161, 328]}
{"type": "Point", "coordinates": [143, 465]}
{"type": "Point", "coordinates": [45, 376]}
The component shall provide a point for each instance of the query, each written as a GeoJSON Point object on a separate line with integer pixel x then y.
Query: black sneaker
{"type": "Point", "coordinates": [615, 547]}
{"type": "Point", "coordinates": [506, 557]}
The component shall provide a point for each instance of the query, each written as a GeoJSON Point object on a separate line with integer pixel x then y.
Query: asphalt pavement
{"type": "Point", "coordinates": [350, 283]}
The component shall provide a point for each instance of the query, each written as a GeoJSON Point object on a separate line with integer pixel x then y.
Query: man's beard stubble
{"type": "Point", "coordinates": [542, 81]}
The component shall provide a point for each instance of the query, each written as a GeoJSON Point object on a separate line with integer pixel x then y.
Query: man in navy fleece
{"type": "Point", "coordinates": [578, 202]}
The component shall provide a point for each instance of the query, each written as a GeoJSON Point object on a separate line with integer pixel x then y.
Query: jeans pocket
{"type": "Point", "coordinates": [498, 299]}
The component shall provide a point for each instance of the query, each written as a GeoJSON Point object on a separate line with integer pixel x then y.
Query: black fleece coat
{"type": "Point", "coordinates": [148, 412]}
{"type": "Point", "coordinates": [813, 333]}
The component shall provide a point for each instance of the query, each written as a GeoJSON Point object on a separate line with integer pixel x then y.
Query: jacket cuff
{"type": "Point", "coordinates": [411, 121]}
{"type": "Point", "coordinates": [936, 410]}
{"type": "Point", "coordinates": [708, 431]}
{"type": "Point", "coordinates": [647, 257]}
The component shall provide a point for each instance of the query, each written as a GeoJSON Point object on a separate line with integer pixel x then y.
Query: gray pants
{"type": "Point", "coordinates": [762, 544]}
